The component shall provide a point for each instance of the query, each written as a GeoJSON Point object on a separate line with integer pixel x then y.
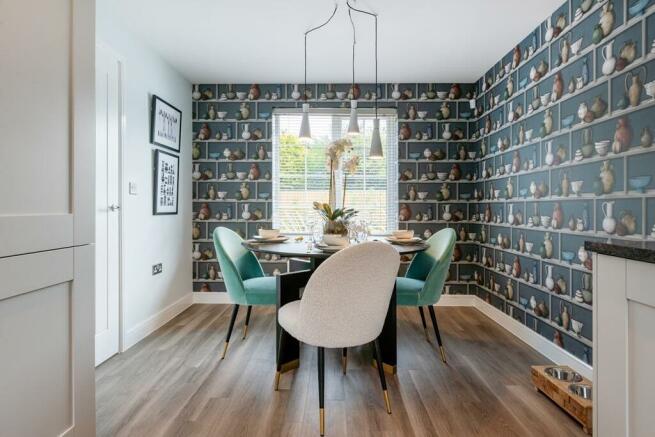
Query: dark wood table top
{"type": "Point", "coordinates": [295, 249]}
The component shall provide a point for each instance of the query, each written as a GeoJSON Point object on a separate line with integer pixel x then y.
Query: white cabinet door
{"type": "Point", "coordinates": [46, 218]}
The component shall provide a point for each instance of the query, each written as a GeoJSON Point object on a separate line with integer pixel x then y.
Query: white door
{"type": "Point", "coordinates": [108, 159]}
{"type": "Point", "coordinates": [47, 163]}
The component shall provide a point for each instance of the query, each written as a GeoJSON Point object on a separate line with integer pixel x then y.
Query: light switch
{"type": "Point", "coordinates": [132, 188]}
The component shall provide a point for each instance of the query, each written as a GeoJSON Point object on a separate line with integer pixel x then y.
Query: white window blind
{"type": "Point", "coordinates": [300, 174]}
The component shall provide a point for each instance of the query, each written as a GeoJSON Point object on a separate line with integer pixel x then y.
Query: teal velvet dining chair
{"type": "Point", "coordinates": [244, 278]}
{"type": "Point", "coordinates": [424, 280]}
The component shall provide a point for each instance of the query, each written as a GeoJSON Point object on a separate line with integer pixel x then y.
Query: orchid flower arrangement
{"type": "Point", "coordinates": [335, 220]}
{"type": "Point", "coordinates": [339, 156]}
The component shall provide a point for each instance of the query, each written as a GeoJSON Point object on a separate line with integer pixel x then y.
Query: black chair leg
{"type": "Point", "coordinates": [235, 310]}
{"type": "Point", "coordinates": [436, 331]}
{"type": "Point", "coordinates": [344, 359]}
{"type": "Point", "coordinates": [383, 379]}
{"type": "Point", "coordinates": [321, 389]}
{"type": "Point", "coordinates": [245, 327]}
{"type": "Point", "coordinates": [425, 325]}
{"type": "Point", "coordinates": [278, 368]}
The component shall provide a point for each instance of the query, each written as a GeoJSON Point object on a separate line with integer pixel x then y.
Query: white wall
{"type": "Point", "coordinates": [149, 301]}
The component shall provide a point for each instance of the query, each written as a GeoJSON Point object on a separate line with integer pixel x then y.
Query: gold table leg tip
{"type": "Point", "coordinates": [387, 402]}
{"type": "Point", "coordinates": [224, 350]}
{"type": "Point", "coordinates": [277, 380]}
{"type": "Point", "coordinates": [443, 353]}
{"type": "Point", "coordinates": [322, 420]}
{"type": "Point", "coordinates": [245, 332]}
{"type": "Point", "coordinates": [344, 364]}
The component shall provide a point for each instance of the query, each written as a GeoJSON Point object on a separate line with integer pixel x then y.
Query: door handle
{"type": "Point", "coordinates": [114, 207]}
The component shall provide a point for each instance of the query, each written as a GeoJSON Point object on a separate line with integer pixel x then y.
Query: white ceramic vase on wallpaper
{"type": "Point", "coordinates": [245, 134]}
{"type": "Point", "coordinates": [446, 134]}
{"type": "Point", "coordinates": [196, 93]}
{"type": "Point", "coordinates": [609, 61]}
{"type": "Point", "coordinates": [395, 94]}
{"type": "Point", "coordinates": [446, 216]}
{"type": "Point", "coordinates": [196, 172]}
{"type": "Point", "coordinates": [550, 282]}
{"type": "Point", "coordinates": [609, 222]}
{"type": "Point", "coordinates": [246, 212]}
{"type": "Point", "coordinates": [295, 94]}
{"type": "Point", "coordinates": [550, 158]}
{"type": "Point", "coordinates": [549, 30]}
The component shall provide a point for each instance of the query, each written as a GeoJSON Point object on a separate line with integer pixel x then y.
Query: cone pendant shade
{"type": "Point", "coordinates": [353, 124]}
{"type": "Point", "coordinates": [376, 143]}
{"type": "Point", "coordinates": [305, 131]}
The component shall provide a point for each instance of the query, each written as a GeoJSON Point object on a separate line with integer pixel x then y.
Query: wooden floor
{"type": "Point", "coordinates": [173, 384]}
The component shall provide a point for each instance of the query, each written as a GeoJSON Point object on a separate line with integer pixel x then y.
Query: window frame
{"type": "Point", "coordinates": [390, 156]}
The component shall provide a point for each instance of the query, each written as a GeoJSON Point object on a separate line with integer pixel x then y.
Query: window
{"type": "Point", "coordinates": [301, 177]}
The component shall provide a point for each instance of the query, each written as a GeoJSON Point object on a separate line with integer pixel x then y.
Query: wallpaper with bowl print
{"type": "Point", "coordinates": [425, 109]}
{"type": "Point", "coordinates": [566, 139]}
{"type": "Point", "coordinates": [559, 139]}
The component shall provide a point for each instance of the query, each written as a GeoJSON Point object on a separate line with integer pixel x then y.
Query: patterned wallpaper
{"type": "Point", "coordinates": [557, 150]}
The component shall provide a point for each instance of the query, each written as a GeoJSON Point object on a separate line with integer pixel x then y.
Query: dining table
{"type": "Point", "coordinates": [290, 285]}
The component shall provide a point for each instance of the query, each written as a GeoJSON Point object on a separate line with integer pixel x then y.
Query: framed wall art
{"type": "Point", "coordinates": [165, 184]}
{"type": "Point", "coordinates": [165, 124]}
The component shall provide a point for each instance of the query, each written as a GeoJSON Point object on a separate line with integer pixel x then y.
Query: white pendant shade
{"type": "Point", "coordinates": [305, 131]}
{"type": "Point", "coordinates": [375, 151]}
{"type": "Point", "coordinates": [353, 125]}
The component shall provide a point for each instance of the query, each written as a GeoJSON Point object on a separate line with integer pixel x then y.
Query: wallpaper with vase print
{"type": "Point", "coordinates": [549, 148]}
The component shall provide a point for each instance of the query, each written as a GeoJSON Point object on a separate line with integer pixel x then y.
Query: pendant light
{"type": "Point", "coordinates": [353, 123]}
{"type": "Point", "coordinates": [305, 133]}
{"type": "Point", "coordinates": [375, 151]}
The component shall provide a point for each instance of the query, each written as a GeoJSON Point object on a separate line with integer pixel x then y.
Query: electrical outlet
{"type": "Point", "coordinates": [132, 188]}
{"type": "Point", "coordinates": [156, 269]}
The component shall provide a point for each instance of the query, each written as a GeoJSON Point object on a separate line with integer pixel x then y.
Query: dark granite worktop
{"type": "Point", "coordinates": [633, 253]}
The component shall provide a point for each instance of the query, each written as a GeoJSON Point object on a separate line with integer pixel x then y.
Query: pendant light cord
{"type": "Point", "coordinates": [352, 23]}
{"type": "Point", "coordinates": [375, 16]}
{"type": "Point", "coordinates": [336, 5]}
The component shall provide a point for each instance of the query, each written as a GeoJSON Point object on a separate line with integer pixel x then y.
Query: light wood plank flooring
{"type": "Point", "coordinates": [174, 384]}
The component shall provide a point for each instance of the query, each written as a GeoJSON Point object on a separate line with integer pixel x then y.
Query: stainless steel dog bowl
{"type": "Point", "coordinates": [582, 390]}
{"type": "Point", "coordinates": [563, 374]}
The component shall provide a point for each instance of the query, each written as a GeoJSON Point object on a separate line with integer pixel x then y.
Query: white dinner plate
{"type": "Point", "coordinates": [329, 249]}
{"type": "Point", "coordinates": [408, 241]}
{"type": "Point", "coordinates": [278, 239]}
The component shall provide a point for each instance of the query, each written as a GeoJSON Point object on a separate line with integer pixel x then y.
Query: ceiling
{"type": "Point", "coordinates": [211, 41]}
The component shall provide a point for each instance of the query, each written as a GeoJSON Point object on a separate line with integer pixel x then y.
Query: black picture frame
{"type": "Point", "coordinates": [162, 194]}
{"type": "Point", "coordinates": [165, 123]}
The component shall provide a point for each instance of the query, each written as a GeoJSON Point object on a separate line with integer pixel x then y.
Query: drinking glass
{"type": "Point", "coordinates": [358, 231]}
{"type": "Point", "coordinates": [317, 232]}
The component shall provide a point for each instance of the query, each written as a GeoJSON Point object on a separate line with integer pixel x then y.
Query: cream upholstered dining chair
{"type": "Point", "coordinates": [344, 304]}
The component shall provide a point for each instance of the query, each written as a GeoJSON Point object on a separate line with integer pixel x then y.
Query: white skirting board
{"type": "Point", "coordinates": [541, 344]}
{"type": "Point", "coordinates": [156, 321]}
{"type": "Point", "coordinates": [533, 339]}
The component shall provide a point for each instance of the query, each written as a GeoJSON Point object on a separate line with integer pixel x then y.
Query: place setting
{"type": "Point", "coordinates": [268, 236]}
{"type": "Point", "coordinates": [404, 237]}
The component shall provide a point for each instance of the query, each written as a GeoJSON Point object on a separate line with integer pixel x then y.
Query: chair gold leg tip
{"type": "Point", "coordinates": [245, 333]}
{"type": "Point", "coordinates": [224, 351]}
{"type": "Point", "coordinates": [344, 365]}
{"type": "Point", "coordinates": [277, 380]}
{"type": "Point", "coordinates": [443, 354]}
{"type": "Point", "coordinates": [387, 403]}
{"type": "Point", "coordinates": [322, 420]}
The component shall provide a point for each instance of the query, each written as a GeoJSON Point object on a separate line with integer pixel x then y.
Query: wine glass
{"type": "Point", "coordinates": [317, 232]}
{"type": "Point", "coordinates": [362, 231]}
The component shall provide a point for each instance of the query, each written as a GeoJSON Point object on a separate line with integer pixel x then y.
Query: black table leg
{"type": "Point", "coordinates": [287, 347]}
{"type": "Point", "coordinates": [387, 338]}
